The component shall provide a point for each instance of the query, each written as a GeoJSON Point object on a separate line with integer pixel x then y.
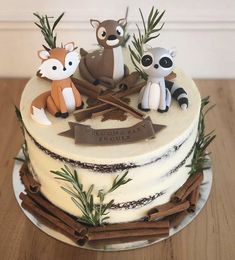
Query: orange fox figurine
{"type": "Point", "coordinates": [58, 65]}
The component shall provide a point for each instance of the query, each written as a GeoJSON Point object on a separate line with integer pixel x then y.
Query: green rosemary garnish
{"type": "Point", "coordinates": [24, 145]}
{"type": "Point", "coordinates": [48, 30]}
{"type": "Point", "coordinates": [200, 161]}
{"type": "Point", "coordinates": [150, 32]}
{"type": "Point", "coordinates": [93, 214]}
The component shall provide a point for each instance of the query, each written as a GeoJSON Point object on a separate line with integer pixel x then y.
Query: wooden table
{"type": "Point", "coordinates": [210, 236]}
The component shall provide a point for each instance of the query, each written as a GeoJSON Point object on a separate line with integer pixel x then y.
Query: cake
{"type": "Point", "coordinates": [126, 164]}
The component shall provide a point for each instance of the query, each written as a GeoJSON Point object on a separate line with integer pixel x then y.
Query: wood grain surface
{"type": "Point", "coordinates": [210, 236]}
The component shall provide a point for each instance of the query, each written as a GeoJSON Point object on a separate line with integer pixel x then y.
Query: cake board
{"type": "Point", "coordinates": [205, 189]}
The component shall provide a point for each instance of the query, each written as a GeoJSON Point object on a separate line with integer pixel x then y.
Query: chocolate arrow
{"type": "Point", "coordinates": [84, 134]}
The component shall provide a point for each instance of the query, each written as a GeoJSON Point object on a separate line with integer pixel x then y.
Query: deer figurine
{"type": "Point", "coordinates": [105, 66]}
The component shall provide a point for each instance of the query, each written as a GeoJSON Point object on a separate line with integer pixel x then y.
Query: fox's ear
{"type": "Point", "coordinates": [43, 55]}
{"type": "Point", "coordinates": [94, 23]}
{"type": "Point", "coordinates": [69, 46]}
{"type": "Point", "coordinates": [122, 22]}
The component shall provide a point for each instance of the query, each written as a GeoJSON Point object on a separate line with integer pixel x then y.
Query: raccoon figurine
{"type": "Point", "coordinates": [157, 63]}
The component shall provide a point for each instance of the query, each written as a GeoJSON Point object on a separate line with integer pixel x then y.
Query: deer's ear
{"type": "Point", "coordinates": [94, 23]}
{"type": "Point", "coordinates": [43, 55]}
{"type": "Point", "coordinates": [69, 46]}
{"type": "Point", "coordinates": [122, 22]}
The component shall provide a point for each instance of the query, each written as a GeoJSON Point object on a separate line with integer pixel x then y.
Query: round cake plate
{"type": "Point", "coordinates": [204, 195]}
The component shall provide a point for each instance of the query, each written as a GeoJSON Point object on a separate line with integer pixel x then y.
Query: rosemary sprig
{"type": "Point", "coordinates": [93, 214]}
{"type": "Point", "coordinates": [200, 161]}
{"type": "Point", "coordinates": [151, 31]}
{"type": "Point", "coordinates": [48, 30]}
{"type": "Point", "coordinates": [24, 145]}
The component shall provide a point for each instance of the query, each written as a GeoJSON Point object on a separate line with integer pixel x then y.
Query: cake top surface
{"type": "Point", "coordinates": [177, 121]}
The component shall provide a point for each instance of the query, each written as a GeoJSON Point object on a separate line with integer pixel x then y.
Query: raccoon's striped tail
{"type": "Point", "coordinates": [38, 109]}
{"type": "Point", "coordinates": [180, 95]}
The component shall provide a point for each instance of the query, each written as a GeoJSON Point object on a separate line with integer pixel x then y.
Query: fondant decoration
{"type": "Point", "coordinates": [84, 134]}
{"type": "Point", "coordinates": [88, 112]}
{"type": "Point", "coordinates": [58, 65]}
{"type": "Point", "coordinates": [112, 100]}
{"type": "Point", "coordinates": [157, 63]}
{"type": "Point", "coordinates": [105, 66]}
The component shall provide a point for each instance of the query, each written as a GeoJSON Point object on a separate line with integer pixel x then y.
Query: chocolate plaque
{"type": "Point", "coordinates": [84, 134]}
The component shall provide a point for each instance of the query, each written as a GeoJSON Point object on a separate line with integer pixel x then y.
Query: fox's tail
{"type": "Point", "coordinates": [38, 109]}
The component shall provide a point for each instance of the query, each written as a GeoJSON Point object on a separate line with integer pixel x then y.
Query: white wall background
{"type": "Point", "coordinates": [202, 31]}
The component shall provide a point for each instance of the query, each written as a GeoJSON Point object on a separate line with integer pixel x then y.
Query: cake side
{"type": "Point", "coordinates": [158, 164]}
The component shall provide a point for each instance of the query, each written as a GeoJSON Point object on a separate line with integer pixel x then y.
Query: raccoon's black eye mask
{"type": "Point", "coordinates": [166, 62]}
{"type": "Point", "coordinates": [146, 60]}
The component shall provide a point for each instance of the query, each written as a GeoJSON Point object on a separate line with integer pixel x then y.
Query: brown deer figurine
{"type": "Point", "coordinates": [105, 66]}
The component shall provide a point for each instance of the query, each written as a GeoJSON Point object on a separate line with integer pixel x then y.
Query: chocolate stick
{"type": "Point", "coordinates": [87, 85]}
{"type": "Point", "coordinates": [178, 207]}
{"type": "Point", "coordinates": [129, 81]}
{"type": "Point", "coordinates": [83, 114]}
{"type": "Point", "coordinates": [127, 233]}
{"type": "Point", "coordinates": [45, 204]}
{"type": "Point", "coordinates": [112, 100]}
{"type": "Point", "coordinates": [130, 226]}
{"type": "Point", "coordinates": [48, 219]}
{"type": "Point", "coordinates": [193, 181]}
{"type": "Point", "coordinates": [28, 180]}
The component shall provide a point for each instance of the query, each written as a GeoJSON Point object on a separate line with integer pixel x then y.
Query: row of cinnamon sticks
{"type": "Point", "coordinates": [160, 218]}
{"type": "Point", "coordinates": [184, 199]}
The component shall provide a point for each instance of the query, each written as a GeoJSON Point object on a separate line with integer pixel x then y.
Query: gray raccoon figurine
{"type": "Point", "coordinates": [157, 63]}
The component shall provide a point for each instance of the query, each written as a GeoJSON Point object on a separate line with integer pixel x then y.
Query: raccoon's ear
{"type": "Point", "coordinates": [172, 52]}
{"type": "Point", "coordinates": [69, 46]}
{"type": "Point", "coordinates": [122, 22]}
{"type": "Point", "coordinates": [43, 55]}
{"type": "Point", "coordinates": [94, 23]}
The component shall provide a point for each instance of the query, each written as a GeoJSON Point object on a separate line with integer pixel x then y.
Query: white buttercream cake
{"type": "Point", "coordinates": [157, 167]}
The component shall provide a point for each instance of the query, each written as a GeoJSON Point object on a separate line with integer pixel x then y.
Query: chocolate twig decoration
{"type": "Point", "coordinates": [112, 100]}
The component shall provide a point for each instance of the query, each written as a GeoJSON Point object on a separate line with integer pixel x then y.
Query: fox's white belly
{"type": "Point", "coordinates": [69, 99]}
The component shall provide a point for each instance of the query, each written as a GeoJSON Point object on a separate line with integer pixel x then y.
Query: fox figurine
{"type": "Point", "coordinates": [58, 65]}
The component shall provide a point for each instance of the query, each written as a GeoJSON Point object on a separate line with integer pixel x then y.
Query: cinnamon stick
{"type": "Point", "coordinates": [27, 179]}
{"type": "Point", "coordinates": [193, 199]}
{"type": "Point", "coordinates": [177, 218]}
{"type": "Point", "coordinates": [58, 213]}
{"type": "Point", "coordinates": [193, 182]}
{"type": "Point", "coordinates": [125, 240]}
{"type": "Point", "coordinates": [163, 211]}
{"type": "Point", "coordinates": [131, 226]}
{"type": "Point", "coordinates": [127, 233]}
{"type": "Point", "coordinates": [50, 220]}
